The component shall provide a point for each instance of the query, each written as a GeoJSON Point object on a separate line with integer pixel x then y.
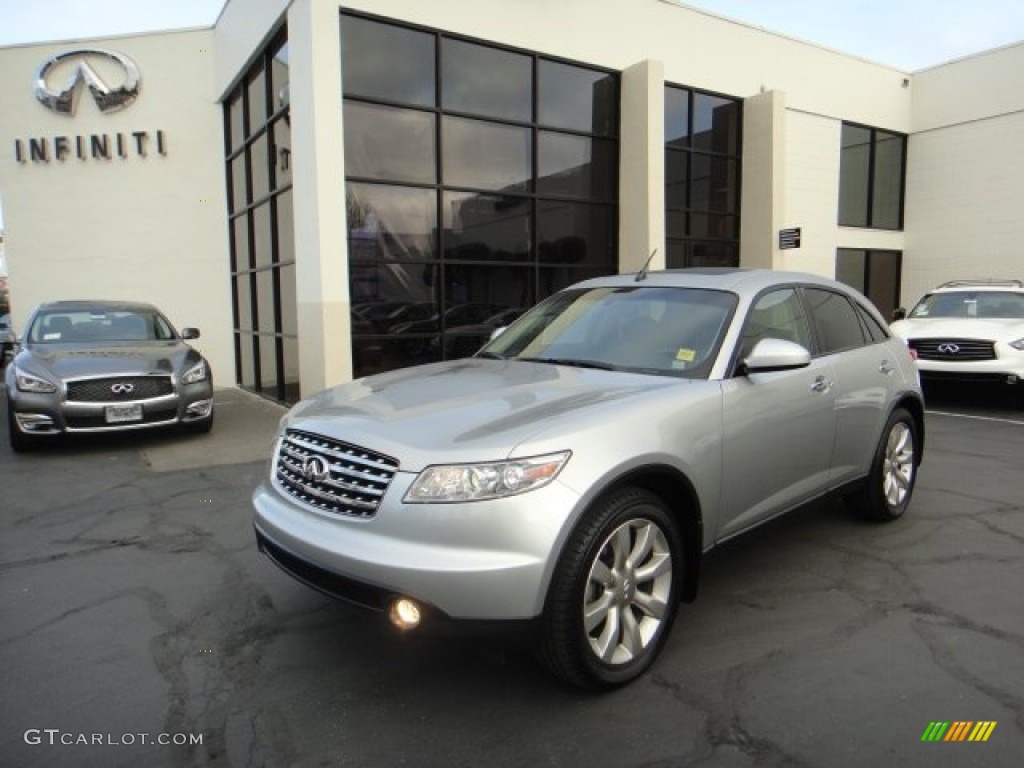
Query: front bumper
{"type": "Point", "coordinates": [1007, 369]}
{"type": "Point", "coordinates": [50, 414]}
{"type": "Point", "coordinates": [478, 561]}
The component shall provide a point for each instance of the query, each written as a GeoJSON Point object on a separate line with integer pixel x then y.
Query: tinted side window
{"type": "Point", "coordinates": [776, 315]}
{"type": "Point", "coordinates": [835, 321]}
{"type": "Point", "coordinates": [874, 331]}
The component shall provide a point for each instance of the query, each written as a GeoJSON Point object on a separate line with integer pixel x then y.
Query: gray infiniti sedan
{"type": "Point", "coordinates": [100, 366]}
{"type": "Point", "coordinates": [572, 473]}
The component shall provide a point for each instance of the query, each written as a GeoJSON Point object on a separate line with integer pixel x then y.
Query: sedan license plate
{"type": "Point", "coordinates": [117, 414]}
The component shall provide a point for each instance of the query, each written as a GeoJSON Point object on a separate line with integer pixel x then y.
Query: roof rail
{"type": "Point", "coordinates": [986, 281]}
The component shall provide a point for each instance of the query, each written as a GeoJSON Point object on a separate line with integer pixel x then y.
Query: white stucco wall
{"type": "Point", "coordinates": [965, 173]}
{"type": "Point", "coordinates": [147, 228]}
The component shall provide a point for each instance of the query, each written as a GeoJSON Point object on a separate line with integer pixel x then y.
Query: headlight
{"type": "Point", "coordinates": [194, 374]}
{"type": "Point", "coordinates": [476, 482]}
{"type": "Point", "coordinates": [1018, 345]}
{"type": "Point", "coordinates": [27, 382]}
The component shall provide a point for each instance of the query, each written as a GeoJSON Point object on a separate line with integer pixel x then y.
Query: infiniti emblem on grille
{"type": "Point", "coordinates": [121, 388]}
{"type": "Point", "coordinates": [314, 468]}
{"type": "Point", "coordinates": [949, 349]}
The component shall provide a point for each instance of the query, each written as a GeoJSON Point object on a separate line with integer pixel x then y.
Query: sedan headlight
{"type": "Point", "coordinates": [1018, 345]}
{"type": "Point", "coordinates": [195, 374]}
{"type": "Point", "coordinates": [28, 382]}
{"type": "Point", "coordinates": [477, 482]}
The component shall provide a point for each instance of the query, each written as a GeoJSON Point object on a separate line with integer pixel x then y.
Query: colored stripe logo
{"type": "Point", "coordinates": [959, 730]}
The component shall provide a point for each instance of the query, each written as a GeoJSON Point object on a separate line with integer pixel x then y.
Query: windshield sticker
{"type": "Point", "coordinates": [684, 355]}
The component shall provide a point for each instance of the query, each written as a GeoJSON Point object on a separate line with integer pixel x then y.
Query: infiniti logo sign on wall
{"type": "Point", "coordinates": [108, 98]}
{"type": "Point", "coordinates": [113, 81]}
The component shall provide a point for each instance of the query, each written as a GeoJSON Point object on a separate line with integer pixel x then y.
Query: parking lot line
{"type": "Point", "coordinates": [1018, 422]}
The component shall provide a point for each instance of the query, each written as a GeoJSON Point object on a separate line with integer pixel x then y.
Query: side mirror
{"type": "Point", "coordinates": [775, 355]}
{"type": "Point", "coordinates": [899, 314]}
{"type": "Point", "coordinates": [189, 333]}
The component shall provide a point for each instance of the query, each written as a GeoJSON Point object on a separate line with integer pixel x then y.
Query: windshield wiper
{"type": "Point", "coordinates": [570, 361]}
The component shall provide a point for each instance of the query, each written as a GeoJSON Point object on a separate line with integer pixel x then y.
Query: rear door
{"type": "Point", "coordinates": [864, 378]}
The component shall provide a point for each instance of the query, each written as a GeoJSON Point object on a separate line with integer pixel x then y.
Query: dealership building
{"type": "Point", "coordinates": [334, 189]}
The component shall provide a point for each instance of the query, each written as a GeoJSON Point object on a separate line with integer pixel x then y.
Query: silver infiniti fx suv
{"type": "Point", "coordinates": [104, 366]}
{"type": "Point", "coordinates": [573, 472]}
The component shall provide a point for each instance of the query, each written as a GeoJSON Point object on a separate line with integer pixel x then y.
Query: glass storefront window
{"type": "Point", "coordinates": [389, 143]}
{"type": "Point", "coordinates": [258, 159]}
{"type": "Point", "coordinates": [387, 62]}
{"type": "Point", "coordinates": [576, 233]}
{"type": "Point", "coordinates": [483, 155]}
{"type": "Point", "coordinates": [279, 78]}
{"type": "Point", "coordinates": [462, 213]}
{"type": "Point", "coordinates": [390, 223]}
{"type": "Point", "coordinates": [486, 81]}
{"type": "Point", "coordinates": [576, 166]}
{"type": "Point", "coordinates": [485, 227]}
{"type": "Point", "coordinates": [577, 98]}
{"type": "Point", "coordinates": [702, 178]}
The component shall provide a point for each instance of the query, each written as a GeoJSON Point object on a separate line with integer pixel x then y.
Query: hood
{"type": "Point", "coordinates": [69, 361]}
{"type": "Point", "coordinates": [465, 410]}
{"type": "Point", "coordinates": [990, 328]}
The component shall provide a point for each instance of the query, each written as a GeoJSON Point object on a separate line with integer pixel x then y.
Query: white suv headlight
{"type": "Point", "coordinates": [194, 374]}
{"type": "Point", "coordinates": [1018, 345]}
{"type": "Point", "coordinates": [28, 382]}
{"type": "Point", "coordinates": [477, 482]}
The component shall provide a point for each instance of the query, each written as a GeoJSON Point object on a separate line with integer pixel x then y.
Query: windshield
{"type": "Point", "coordinates": [666, 331]}
{"type": "Point", "coordinates": [62, 326]}
{"type": "Point", "coordinates": [982, 304]}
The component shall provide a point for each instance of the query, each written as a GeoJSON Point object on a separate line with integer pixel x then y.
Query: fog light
{"type": "Point", "coordinates": [404, 613]}
{"type": "Point", "coordinates": [200, 409]}
{"type": "Point", "coordinates": [35, 422]}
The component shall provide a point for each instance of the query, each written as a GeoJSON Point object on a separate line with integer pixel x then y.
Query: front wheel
{"type": "Point", "coordinates": [20, 442]}
{"type": "Point", "coordinates": [886, 493]}
{"type": "Point", "coordinates": [615, 592]}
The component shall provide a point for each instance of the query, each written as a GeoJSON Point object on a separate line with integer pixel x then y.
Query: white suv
{"type": "Point", "coordinates": [968, 330]}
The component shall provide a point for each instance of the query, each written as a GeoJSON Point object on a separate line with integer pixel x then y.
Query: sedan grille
{"type": "Point", "coordinates": [953, 350]}
{"type": "Point", "coordinates": [119, 388]}
{"type": "Point", "coordinates": [332, 475]}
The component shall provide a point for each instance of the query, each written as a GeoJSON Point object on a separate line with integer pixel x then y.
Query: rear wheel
{"type": "Point", "coordinates": [615, 592]}
{"type": "Point", "coordinates": [886, 493]}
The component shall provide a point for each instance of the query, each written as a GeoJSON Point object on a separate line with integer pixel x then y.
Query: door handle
{"type": "Point", "coordinates": [884, 367]}
{"type": "Point", "coordinates": [821, 384]}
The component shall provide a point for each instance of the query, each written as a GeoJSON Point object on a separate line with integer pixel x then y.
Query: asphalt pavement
{"type": "Point", "coordinates": [135, 610]}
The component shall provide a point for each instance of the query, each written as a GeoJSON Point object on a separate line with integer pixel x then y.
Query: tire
{"type": "Point", "coordinates": [20, 442]}
{"type": "Point", "coordinates": [199, 427]}
{"type": "Point", "coordinates": [886, 493]}
{"type": "Point", "coordinates": [631, 605]}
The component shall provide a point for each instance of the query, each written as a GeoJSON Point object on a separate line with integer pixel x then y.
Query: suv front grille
{"type": "Point", "coordinates": [953, 350]}
{"type": "Point", "coordinates": [333, 476]}
{"type": "Point", "coordinates": [119, 388]}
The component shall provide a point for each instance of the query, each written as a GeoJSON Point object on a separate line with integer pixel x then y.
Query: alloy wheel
{"type": "Point", "coordinates": [627, 591]}
{"type": "Point", "coordinates": [898, 474]}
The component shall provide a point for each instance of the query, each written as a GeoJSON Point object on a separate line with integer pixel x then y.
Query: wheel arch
{"type": "Point", "coordinates": [677, 493]}
{"type": "Point", "coordinates": [915, 407]}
